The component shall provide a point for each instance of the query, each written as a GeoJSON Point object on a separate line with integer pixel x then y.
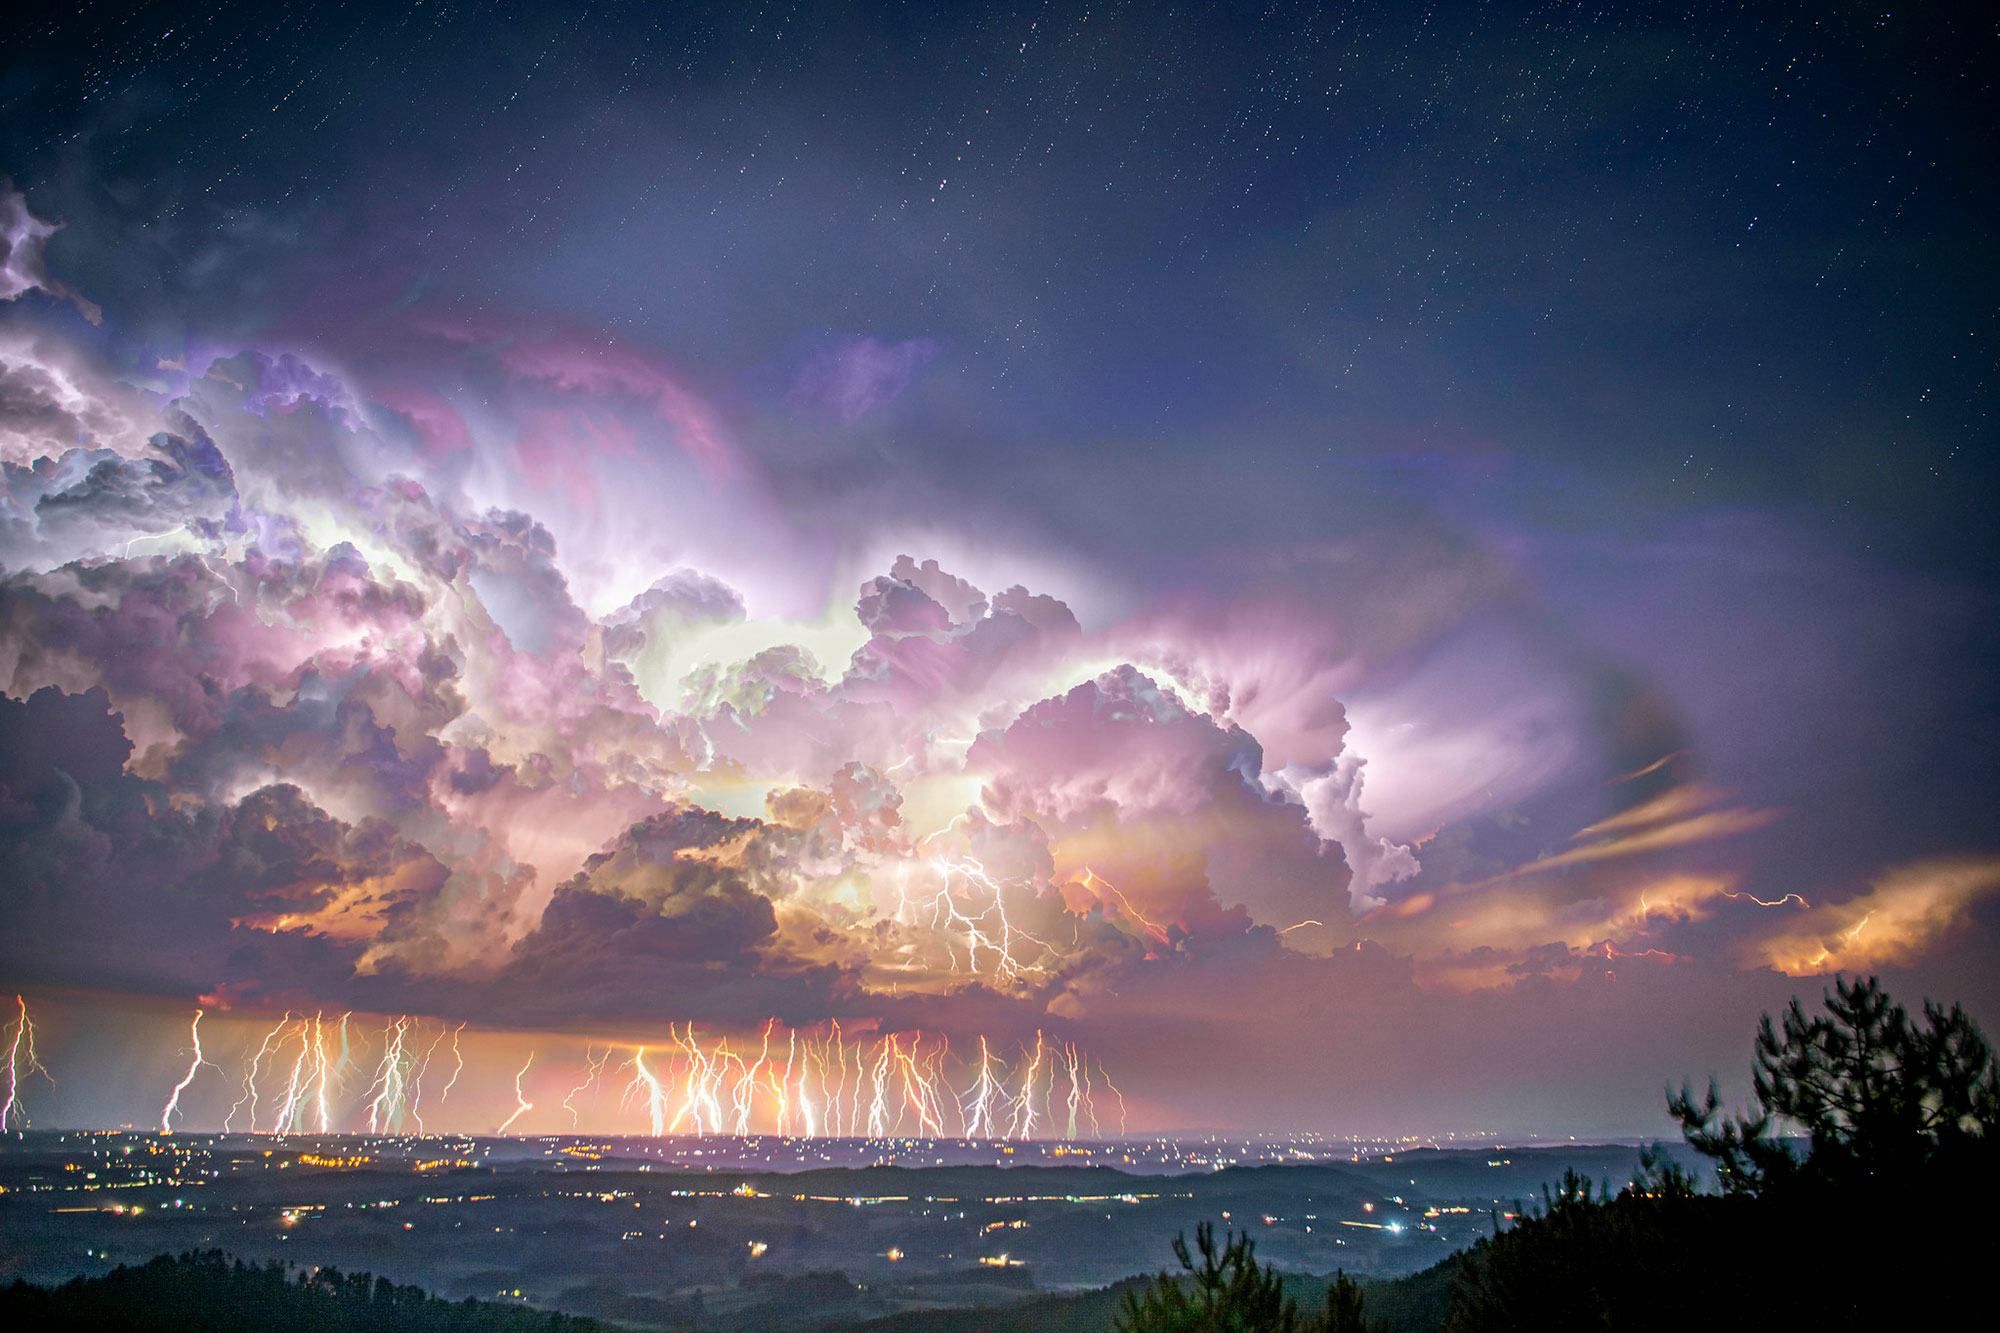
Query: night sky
{"type": "Point", "coordinates": [1376, 568]}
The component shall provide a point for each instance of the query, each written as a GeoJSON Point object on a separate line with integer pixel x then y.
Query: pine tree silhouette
{"type": "Point", "coordinates": [1854, 1194]}
{"type": "Point", "coordinates": [1345, 1312]}
{"type": "Point", "coordinates": [1877, 1096]}
{"type": "Point", "coordinates": [1228, 1293]}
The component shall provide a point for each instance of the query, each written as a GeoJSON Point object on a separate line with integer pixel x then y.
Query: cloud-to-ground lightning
{"type": "Point", "coordinates": [194, 1067]}
{"type": "Point", "coordinates": [1021, 1110]}
{"type": "Point", "coordinates": [646, 1085]}
{"type": "Point", "coordinates": [417, 1081]}
{"type": "Point", "coordinates": [521, 1103]}
{"type": "Point", "coordinates": [22, 1064]}
{"type": "Point", "coordinates": [979, 1101]}
{"type": "Point", "coordinates": [458, 1066]}
{"type": "Point", "coordinates": [817, 1082]}
{"type": "Point", "coordinates": [594, 1066]}
{"type": "Point", "coordinates": [250, 1073]}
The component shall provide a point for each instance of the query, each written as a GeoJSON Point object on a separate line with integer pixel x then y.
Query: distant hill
{"type": "Point", "coordinates": [210, 1291]}
{"type": "Point", "coordinates": [1414, 1304]}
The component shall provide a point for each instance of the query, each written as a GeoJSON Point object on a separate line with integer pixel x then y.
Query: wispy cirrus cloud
{"type": "Point", "coordinates": [861, 376]}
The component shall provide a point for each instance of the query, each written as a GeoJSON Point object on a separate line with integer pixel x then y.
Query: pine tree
{"type": "Point", "coordinates": [1345, 1312]}
{"type": "Point", "coordinates": [1227, 1293]}
{"type": "Point", "coordinates": [1876, 1095]}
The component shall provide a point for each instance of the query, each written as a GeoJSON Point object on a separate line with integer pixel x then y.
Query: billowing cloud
{"type": "Point", "coordinates": [1134, 785]}
{"type": "Point", "coordinates": [54, 400]}
{"type": "Point", "coordinates": [1333, 802]}
{"type": "Point", "coordinates": [95, 502]}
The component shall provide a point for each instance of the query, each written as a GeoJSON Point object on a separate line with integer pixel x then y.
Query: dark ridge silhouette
{"type": "Point", "coordinates": [210, 1291]}
{"type": "Point", "coordinates": [1414, 1304]}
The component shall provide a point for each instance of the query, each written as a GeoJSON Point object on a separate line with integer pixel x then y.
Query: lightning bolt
{"type": "Point", "coordinates": [595, 1066]}
{"type": "Point", "coordinates": [1847, 936]}
{"type": "Point", "coordinates": [878, 1109]}
{"type": "Point", "coordinates": [833, 1043]}
{"type": "Point", "coordinates": [1021, 1111]}
{"type": "Point", "coordinates": [977, 929]}
{"type": "Point", "coordinates": [646, 1085]}
{"type": "Point", "coordinates": [150, 537]}
{"type": "Point", "coordinates": [322, 1075]}
{"type": "Point", "coordinates": [385, 1106]}
{"type": "Point", "coordinates": [1775, 902]}
{"type": "Point", "coordinates": [746, 1087]}
{"type": "Point", "coordinates": [1612, 951]}
{"type": "Point", "coordinates": [521, 1103]}
{"type": "Point", "coordinates": [919, 1089]}
{"type": "Point", "coordinates": [1079, 1090]}
{"type": "Point", "coordinates": [1106, 1077]}
{"type": "Point", "coordinates": [978, 1102]}
{"type": "Point", "coordinates": [781, 1087]}
{"type": "Point", "coordinates": [816, 1082]}
{"type": "Point", "coordinates": [22, 1064]}
{"type": "Point", "coordinates": [1097, 884]}
{"type": "Point", "coordinates": [174, 1097]}
{"type": "Point", "coordinates": [457, 1069]}
{"type": "Point", "coordinates": [250, 1076]}
{"type": "Point", "coordinates": [291, 1106]}
{"type": "Point", "coordinates": [417, 1083]}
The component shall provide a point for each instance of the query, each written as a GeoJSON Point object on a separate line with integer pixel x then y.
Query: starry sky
{"type": "Point", "coordinates": [1378, 568]}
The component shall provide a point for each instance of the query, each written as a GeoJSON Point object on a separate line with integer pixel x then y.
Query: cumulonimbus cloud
{"type": "Point", "coordinates": [295, 713]}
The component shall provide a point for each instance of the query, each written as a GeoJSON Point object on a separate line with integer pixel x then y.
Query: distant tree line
{"type": "Point", "coordinates": [1858, 1193]}
{"type": "Point", "coordinates": [208, 1290]}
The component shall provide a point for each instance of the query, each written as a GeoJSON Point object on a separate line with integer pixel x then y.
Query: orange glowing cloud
{"type": "Point", "coordinates": [1520, 918]}
{"type": "Point", "coordinates": [1899, 916]}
